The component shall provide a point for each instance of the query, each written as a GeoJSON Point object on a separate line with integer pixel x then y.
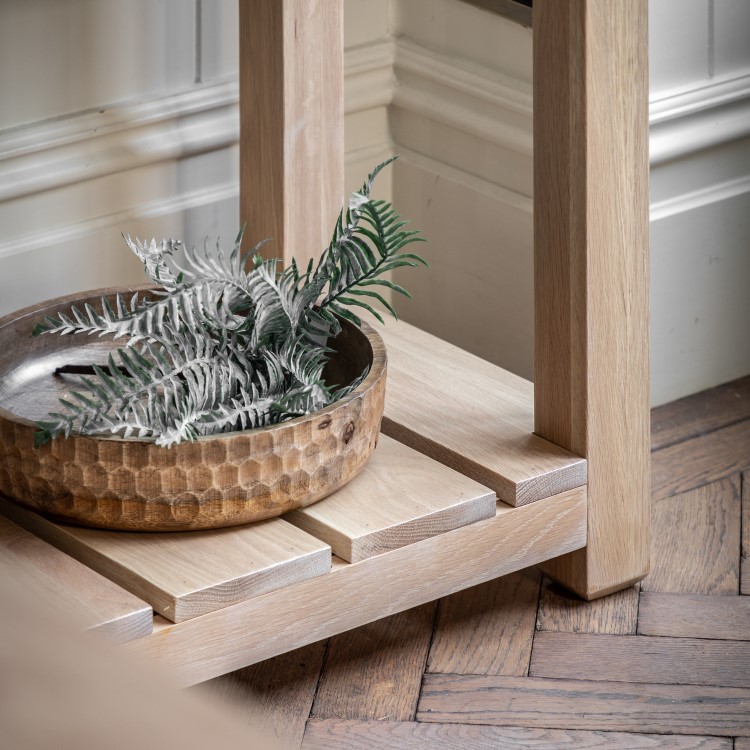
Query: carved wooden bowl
{"type": "Point", "coordinates": [133, 484]}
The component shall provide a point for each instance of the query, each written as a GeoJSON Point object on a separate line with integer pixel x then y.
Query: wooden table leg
{"type": "Point", "coordinates": [291, 124]}
{"type": "Point", "coordinates": [591, 272]}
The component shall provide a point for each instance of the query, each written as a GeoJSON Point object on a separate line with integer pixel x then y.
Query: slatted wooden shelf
{"type": "Point", "coordinates": [187, 574]}
{"type": "Point", "coordinates": [357, 593]}
{"type": "Point", "coordinates": [65, 585]}
{"type": "Point", "coordinates": [400, 498]}
{"type": "Point", "coordinates": [230, 597]}
{"type": "Point", "coordinates": [472, 416]}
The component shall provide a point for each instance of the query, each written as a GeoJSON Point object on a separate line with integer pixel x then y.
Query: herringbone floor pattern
{"type": "Point", "coordinates": [517, 663]}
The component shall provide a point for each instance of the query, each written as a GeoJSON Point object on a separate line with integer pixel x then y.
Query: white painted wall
{"type": "Point", "coordinates": [121, 115]}
{"type": "Point", "coordinates": [462, 118]}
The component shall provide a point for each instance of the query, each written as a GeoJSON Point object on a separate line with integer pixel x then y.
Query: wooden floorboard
{"type": "Point", "coordinates": [559, 610]}
{"type": "Point", "coordinates": [374, 672]}
{"type": "Point", "coordinates": [487, 629]}
{"type": "Point", "coordinates": [578, 704]}
{"type": "Point", "coordinates": [696, 541]}
{"type": "Point", "coordinates": [686, 616]}
{"type": "Point", "coordinates": [700, 413]}
{"type": "Point", "coordinates": [273, 697]}
{"type": "Point", "coordinates": [337, 734]}
{"type": "Point", "coordinates": [746, 514]}
{"type": "Point", "coordinates": [620, 672]}
{"type": "Point", "coordinates": [693, 463]}
{"type": "Point", "coordinates": [640, 658]}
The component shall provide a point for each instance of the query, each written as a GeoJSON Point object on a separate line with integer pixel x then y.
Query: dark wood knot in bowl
{"type": "Point", "coordinates": [131, 484]}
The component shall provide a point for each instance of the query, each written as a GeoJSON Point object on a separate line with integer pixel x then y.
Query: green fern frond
{"type": "Point", "coordinates": [226, 343]}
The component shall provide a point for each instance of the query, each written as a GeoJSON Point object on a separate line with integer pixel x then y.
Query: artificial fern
{"type": "Point", "coordinates": [229, 342]}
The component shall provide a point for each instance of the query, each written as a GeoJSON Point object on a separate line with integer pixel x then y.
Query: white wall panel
{"type": "Point", "coordinates": [678, 43]}
{"type": "Point", "coordinates": [64, 56]}
{"type": "Point", "coordinates": [731, 37]}
{"type": "Point", "coordinates": [700, 323]}
{"type": "Point", "coordinates": [478, 292]}
{"type": "Point", "coordinates": [218, 39]}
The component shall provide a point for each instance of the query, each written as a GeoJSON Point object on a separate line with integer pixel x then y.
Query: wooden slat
{"type": "Point", "coordinates": [375, 672]}
{"type": "Point", "coordinates": [574, 704]}
{"type": "Point", "coordinates": [700, 413]}
{"type": "Point", "coordinates": [479, 423]}
{"type": "Point", "coordinates": [591, 368]}
{"type": "Point", "coordinates": [742, 743]}
{"type": "Point", "coordinates": [696, 462]}
{"type": "Point", "coordinates": [65, 585]}
{"type": "Point", "coordinates": [184, 575]}
{"type": "Point", "coordinates": [274, 697]}
{"type": "Point", "coordinates": [291, 124]}
{"type": "Point", "coordinates": [560, 610]}
{"type": "Point", "coordinates": [696, 547]}
{"type": "Point", "coordinates": [745, 576]}
{"type": "Point", "coordinates": [333, 734]}
{"type": "Point", "coordinates": [399, 498]}
{"type": "Point", "coordinates": [641, 658]}
{"type": "Point", "coordinates": [686, 616]}
{"type": "Point", "coordinates": [487, 629]}
{"type": "Point", "coordinates": [352, 595]}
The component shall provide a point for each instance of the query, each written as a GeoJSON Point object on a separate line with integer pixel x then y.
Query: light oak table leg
{"type": "Point", "coordinates": [291, 124]}
{"type": "Point", "coordinates": [591, 272]}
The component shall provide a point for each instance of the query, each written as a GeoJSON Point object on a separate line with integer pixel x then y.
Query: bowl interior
{"type": "Point", "coordinates": [30, 389]}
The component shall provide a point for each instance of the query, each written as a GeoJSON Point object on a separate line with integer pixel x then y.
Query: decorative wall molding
{"type": "Point", "coordinates": [57, 153]}
{"type": "Point", "coordinates": [175, 204]}
{"type": "Point", "coordinates": [689, 121]}
{"type": "Point", "coordinates": [463, 95]}
{"type": "Point", "coordinates": [459, 94]}
{"type": "Point", "coordinates": [695, 199]}
{"type": "Point", "coordinates": [54, 154]}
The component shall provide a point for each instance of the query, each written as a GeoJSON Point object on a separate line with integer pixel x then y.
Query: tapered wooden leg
{"type": "Point", "coordinates": [291, 123]}
{"type": "Point", "coordinates": [591, 272]}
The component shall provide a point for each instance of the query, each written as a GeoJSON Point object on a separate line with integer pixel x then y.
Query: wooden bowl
{"type": "Point", "coordinates": [133, 484]}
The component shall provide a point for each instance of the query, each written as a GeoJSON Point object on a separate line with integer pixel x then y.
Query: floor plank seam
{"type": "Point", "coordinates": [320, 677]}
{"type": "Point", "coordinates": [698, 435]}
{"type": "Point", "coordinates": [415, 708]}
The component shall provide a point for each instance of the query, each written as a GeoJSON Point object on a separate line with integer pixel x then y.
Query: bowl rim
{"type": "Point", "coordinates": [377, 371]}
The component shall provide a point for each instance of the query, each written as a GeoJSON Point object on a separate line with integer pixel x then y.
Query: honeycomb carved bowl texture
{"type": "Point", "coordinates": [216, 481]}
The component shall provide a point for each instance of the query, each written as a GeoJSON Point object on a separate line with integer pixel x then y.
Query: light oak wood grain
{"type": "Point", "coordinates": [354, 594]}
{"type": "Point", "coordinates": [487, 629]}
{"type": "Point", "coordinates": [700, 413]}
{"type": "Point", "coordinates": [291, 124]}
{"type": "Point", "coordinates": [479, 422]}
{"type": "Point", "coordinates": [578, 704]}
{"type": "Point", "coordinates": [560, 610]}
{"type": "Point", "coordinates": [696, 541]}
{"type": "Point", "coordinates": [641, 658]}
{"type": "Point", "coordinates": [696, 462]}
{"type": "Point", "coordinates": [401, 497]}
{"type": "Point", "coordinates": [275, 696]}
{"type": "Point", "coordinates": [184, 576]}
{"type": "Point", "coordinates": [334, 734]}
{"type": "Point", "coordinates": [63, 584]}
{"type": "Point", "coordinates": [374, 672]}
{"type": "Point", "coordinates": [693, 616]}
{"type": "Point", "coordinates": [591, 272]}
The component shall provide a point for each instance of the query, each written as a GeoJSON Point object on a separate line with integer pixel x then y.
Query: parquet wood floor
{"type": "Point", "coordinates": [519, 663]}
